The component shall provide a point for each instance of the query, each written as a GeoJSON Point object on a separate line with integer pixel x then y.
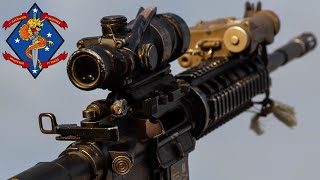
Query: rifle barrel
{"type": "Point", "coordinates": [77, 162]}
{"type": "Point", "coordinates": [297, 47]}
{"type": "Point", "coordinates": [64, 168]}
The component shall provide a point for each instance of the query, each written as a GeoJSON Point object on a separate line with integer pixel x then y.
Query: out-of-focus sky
{"type": "Point", "coordinates": [231, 152]}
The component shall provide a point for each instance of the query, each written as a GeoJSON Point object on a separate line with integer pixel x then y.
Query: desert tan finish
{"type": "Point", "coordinates": [230, 36]}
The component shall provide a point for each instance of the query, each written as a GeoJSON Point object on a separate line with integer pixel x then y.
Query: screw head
{"type": "Point", "coordinates": [235, 40]}
{"type": "Point", "coordinates": [120, 107]}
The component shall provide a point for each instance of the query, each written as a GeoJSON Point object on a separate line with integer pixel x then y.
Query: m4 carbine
{"type": "Point", "coordinates": [149, 123]}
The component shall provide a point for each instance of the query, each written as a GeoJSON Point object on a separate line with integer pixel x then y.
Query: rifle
{"type": "Point", "coordinates": [149, 123]}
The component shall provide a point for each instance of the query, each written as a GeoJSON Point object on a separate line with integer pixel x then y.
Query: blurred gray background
{"type": "Point", "coordinates": [231, 152]}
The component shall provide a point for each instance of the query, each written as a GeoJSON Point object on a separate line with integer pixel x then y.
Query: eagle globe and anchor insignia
{"type": "Point", "coordinates": [35, 40]}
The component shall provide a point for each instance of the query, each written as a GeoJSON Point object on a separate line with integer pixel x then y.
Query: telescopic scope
{"type": "Point", "coordinates": [127, 51]}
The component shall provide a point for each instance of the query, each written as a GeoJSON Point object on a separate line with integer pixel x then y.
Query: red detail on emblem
{"type": "Point", "coordinates": [14, 60]}
{"type": "Point", "coordinates": [54, 19]}
{"type": "Point", "coordinates": [14, 20]}
{"type": "Point", "coordinates": [55, 60]}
